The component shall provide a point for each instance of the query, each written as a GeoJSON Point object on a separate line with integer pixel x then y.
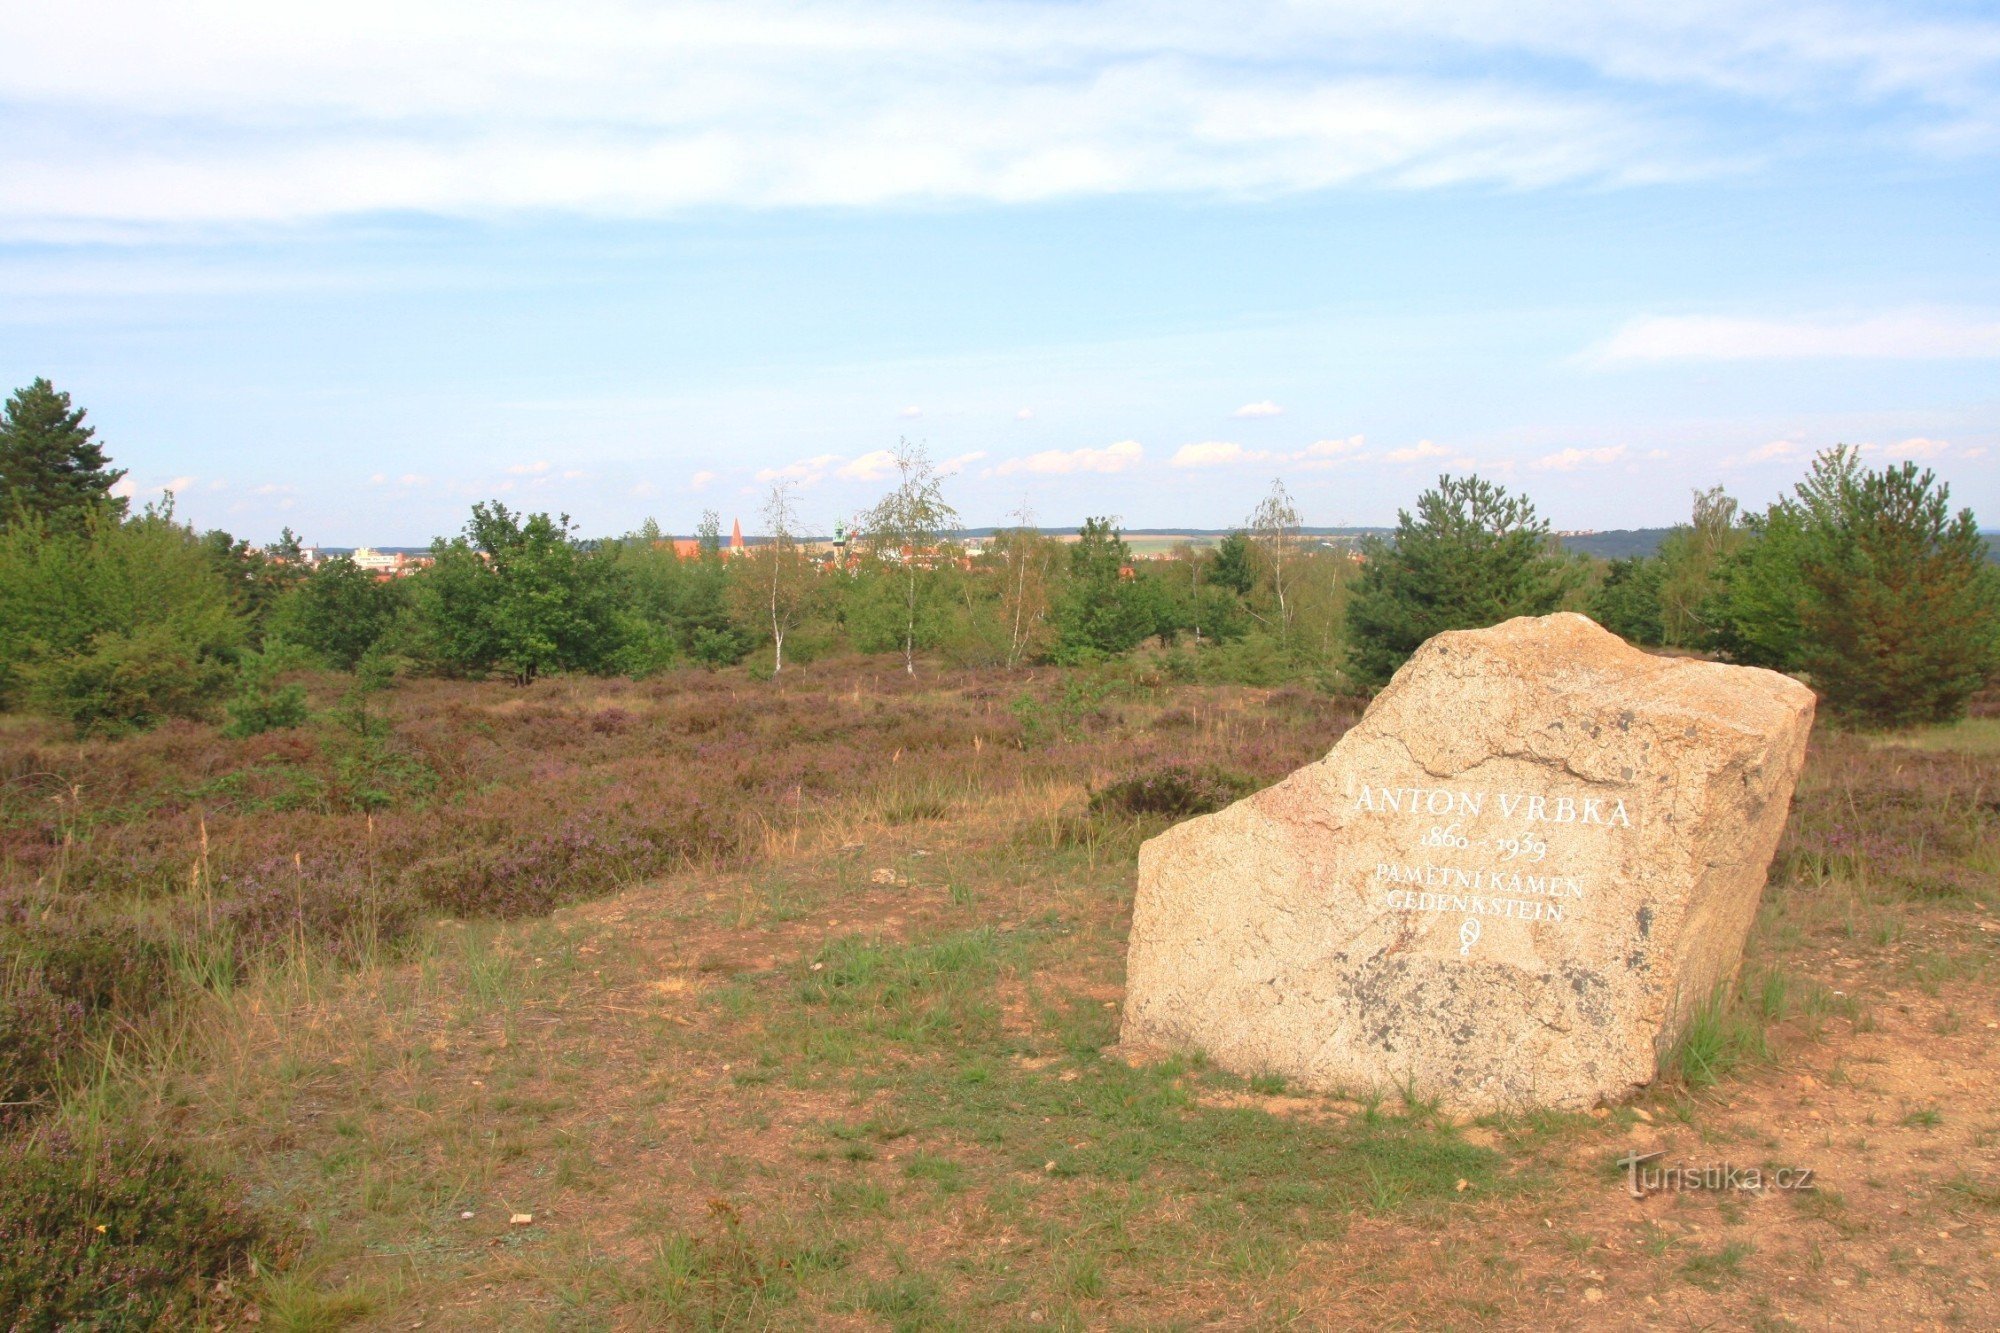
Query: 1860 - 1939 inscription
{"type": "Point", "coordinates": [1484, 853]}
{"type": "Point", "coordinates": [1509, 885]}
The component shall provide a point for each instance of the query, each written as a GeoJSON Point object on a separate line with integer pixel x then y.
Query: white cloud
{"type": "Point", "coordinates": [1898, 335]}
{"type": "Point", "coordinates": [869, 467]}
{"type": "Point", "coordinates": [1328, 453]}
{"type": "Point", "coordinates": [529, 469]}
{"type": "Point", "coordinates": [806, 471]}
{"type": "Point", "coordinates": [1214, 453]}
{"type": "Point", "coordinates": [179, 484]}
{"type": "Point", "coordinates": [1775, 451]}
{"type": "Point", "coordinates": [1111, 458]}
{"type": "Point", "coordinates": [1220, 453]}
{"type": "Point", "coordinates": [1426, 449]}
{"type": "Point", "coordinates": [1025, 414]}
{"type": "Point", "coordinates": [1569, 460]}
{"type": "Point", "coordinates": [911, 412]}
{"type": "Point", "coordinates": [1917, 448]}
{"type": "Point", "coordinates": [574, 474]}
{"type": "Point", "coordinates": [951, 467]}
{"type": "Point", "coordinates": [700, 480]}
{"type": "Point", "coordinates": [1267, 408]}
{"type": "Point", "coordinates": [132, 112]}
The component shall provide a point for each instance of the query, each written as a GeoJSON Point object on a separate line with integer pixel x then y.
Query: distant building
{"type": "Point", "coordinates": [389, 564]}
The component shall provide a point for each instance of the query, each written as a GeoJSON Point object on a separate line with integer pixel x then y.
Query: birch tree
{"type": "Point", "coordinates": [1275, 529]}
{"type": "Point", "coordinates": [908, 525]}
{"type": "Point", "coordinates": [784, 576]}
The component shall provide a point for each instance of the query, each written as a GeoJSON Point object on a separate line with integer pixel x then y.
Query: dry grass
{"type": "Point", "coordinates": [848, 1072]}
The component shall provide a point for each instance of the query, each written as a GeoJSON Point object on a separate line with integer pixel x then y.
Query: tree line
{"type": "Point", "coordinates": [1865, 582]}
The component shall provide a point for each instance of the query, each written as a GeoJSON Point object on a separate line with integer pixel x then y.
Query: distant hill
{"type": "Point", "coordinates": [1617, 544]}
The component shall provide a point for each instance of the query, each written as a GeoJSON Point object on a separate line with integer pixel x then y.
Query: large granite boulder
{"type": "Point", "coordinates": [1510, 885]}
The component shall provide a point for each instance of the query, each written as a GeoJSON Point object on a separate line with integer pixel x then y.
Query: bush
{"type": "Point", "coordinates": [125, 682]}
{"type": "Point", "coordinates": [261, 704]}
{"type": "Point", "coordinates": [262, 708]}
{"type": "Point", "coordinates": [123, 1234]}
{"type": "Point", "coordinates": [1175, 791]}
{"type": "Point", "coordinates": [113, 626]}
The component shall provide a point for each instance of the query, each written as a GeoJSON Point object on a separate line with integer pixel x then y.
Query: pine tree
{"type": "Point", "coordinates": [1103, 610]}
{"type": "Point", "coordinates": [51, 468]}
{"type": "Point", "coordinates": [1901, 607]}
{"type": "Point", "coordinates": [1472, 556]}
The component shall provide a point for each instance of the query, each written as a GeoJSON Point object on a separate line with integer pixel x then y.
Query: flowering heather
{"type": "Point", "coordinates": [180, 856]}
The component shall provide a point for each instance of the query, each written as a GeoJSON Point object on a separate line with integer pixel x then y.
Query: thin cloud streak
{"type": "Point", "coordinates": [1898, 335]}
{"type": "Point", "coordinates": [128, 113]}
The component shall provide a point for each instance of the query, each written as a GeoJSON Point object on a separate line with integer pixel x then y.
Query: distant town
{"type": "Point", "coordinates": [392, 562]}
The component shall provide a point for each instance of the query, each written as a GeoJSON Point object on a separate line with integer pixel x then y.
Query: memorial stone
{"type": "Point", "coordinates": [1510, 885]}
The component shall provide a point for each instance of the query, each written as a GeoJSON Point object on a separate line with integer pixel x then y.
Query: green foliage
{"type": "Point", "coordinates": [907, 529]}
{"type": "Point", "coordinates": [876, 611]}
{"type": "Point", "coordinates": [1065, 718]}
{"type": "Point", "coordinates": [1233, 568]}
{"type": "Point", "coordinates": [256, 581]}
{"type": "Point", "coordinates": [1869, 583]}
{"type": "Point", "coordinates": [1901, 622]}
{"type": "Point", "coordinates": [1759, 603]}
{"type": "Point", "coordinates": [1472, 556]}
{"type": "Point", "coordinates": [339, 611]}
{"type": "Point", "coordinates": [677, 609]}
{"type": "Point", "coordinates": [52, 472]}
{"type": "Point", "coordinates": [520, 593]}
{"type": "Point", "coordinates": [1103, 609]}
{"type": "Point", "coordinates": [1627, 602]}
{"type": "Point", "coordinates": [125, 1234]}
{"type": "Point", "coordinates": [1689, 565]}
{"type": "Point", "coordinates": [261, 702]}
{"type": "Point", "coordinates": [125, 681]}
{"type": "Point", "coordinates": [112, 625]}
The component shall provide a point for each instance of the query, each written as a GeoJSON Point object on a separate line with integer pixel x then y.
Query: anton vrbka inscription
{"type": "Point", "coordinates": [1465, 867]}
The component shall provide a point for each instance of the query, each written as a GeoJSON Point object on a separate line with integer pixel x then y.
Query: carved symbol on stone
{"type": "Point", "coordinates": [1468, 935]}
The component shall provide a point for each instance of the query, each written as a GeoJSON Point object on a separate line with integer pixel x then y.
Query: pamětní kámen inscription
{"type": "Point", "coordinates": [1509, 885]}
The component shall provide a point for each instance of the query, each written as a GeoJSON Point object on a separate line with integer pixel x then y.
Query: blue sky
{"type": "Point", "coordinates": [352, 270]}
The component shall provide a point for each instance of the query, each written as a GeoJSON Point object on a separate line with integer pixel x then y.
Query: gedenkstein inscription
{"type": "Point", "coordinates": [1509, 885]}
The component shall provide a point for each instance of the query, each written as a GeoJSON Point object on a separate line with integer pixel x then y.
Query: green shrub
{"type": "Point", "coordinates": [261, 703]}
{"type": "Point", "coordinates": [125, 682]}
{"type": "Point", "coordinates": [127, 1234]}
{"type": "Point", "coordinates": [112, 626]}
{"type": "Point", "coordinates": [261, 708]}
